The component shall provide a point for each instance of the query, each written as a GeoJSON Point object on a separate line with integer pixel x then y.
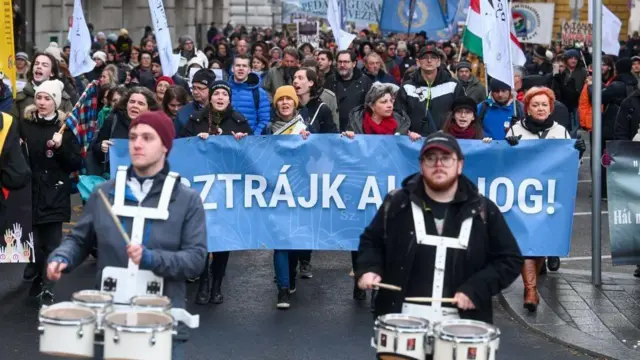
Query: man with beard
{"type": "Point", "coordinates": [282, 74]}
{"type": "Point", "coordinates": [473, 88]}
{"type": "Point", "coordinates": [438, 237]}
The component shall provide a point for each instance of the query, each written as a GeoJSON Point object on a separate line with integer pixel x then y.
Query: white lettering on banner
{"type": "Point", "coordinates": [506, 202]}
{"type": "Point", "coordinates": [528, 196]}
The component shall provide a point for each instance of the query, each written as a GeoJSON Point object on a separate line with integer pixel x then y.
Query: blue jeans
{"type": "Point", "coordinates": [177, 351]}
{"type": "Point", "coordinates": [284, 264]}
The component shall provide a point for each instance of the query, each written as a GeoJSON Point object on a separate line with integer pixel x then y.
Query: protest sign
{"type": "Point", "coordinates": [533, 22]}
{"type": "Point", "coordinates": [282, 192]}
{"type": "Point", "coordinates": [16, 245]}
{"type": "Point", "coordinates": [576, 32]}
{"type": "Point", "coordinates": [624, 201]}
{"type": "Point", "coordinates": [308, 32]}
{"type": "Point", "coordinates": [361, 12]}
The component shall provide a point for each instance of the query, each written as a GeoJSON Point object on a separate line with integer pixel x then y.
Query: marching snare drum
{"type": "Point", "coordinates": [99, 301]}
{"type": "Point", "coordinates": [465, 340]}
{"type": "Point", "coordinates": [151, 303]}
{"type": "Point", "coordinates": [139, 335]}
{"type": "Point", "coordinates": [402, 337]}
{"type": "Point", "coordinates": [67, 330]}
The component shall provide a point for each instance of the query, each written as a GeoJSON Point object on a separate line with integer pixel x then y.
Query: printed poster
{"type": "Point", "coordinates": [533, 22]}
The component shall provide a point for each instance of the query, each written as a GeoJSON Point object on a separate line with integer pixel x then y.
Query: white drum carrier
{"type": "Point", "coordinates": [129, 313]}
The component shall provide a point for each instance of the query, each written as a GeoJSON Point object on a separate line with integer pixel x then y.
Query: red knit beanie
{"type": "Point", "coordinates": [161, 123]}
{"type": "Point", "coordinates": [164, 78]}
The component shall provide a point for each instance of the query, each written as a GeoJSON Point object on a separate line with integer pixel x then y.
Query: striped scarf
{"type": "Point", "coordinates": [83, 119]}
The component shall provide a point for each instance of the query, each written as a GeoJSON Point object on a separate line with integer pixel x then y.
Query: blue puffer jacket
{"type": "Point", "coordinates": [495, 117]}
{"type": "Point", "coordinates": [6, 98]}
{"type": "Point", "coordinates": [242, 100]}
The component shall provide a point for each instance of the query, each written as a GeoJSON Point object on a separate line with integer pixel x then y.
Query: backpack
{"type": "Point", "coordinates": [485, 106]}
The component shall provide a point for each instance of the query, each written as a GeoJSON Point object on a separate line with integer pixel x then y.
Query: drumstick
{"type": "Point", "coordinates": [387, 287]}
{"type": "Point", "coordinates": [431, 299]}
{"type": "Point", "coordinates": [114, 217]}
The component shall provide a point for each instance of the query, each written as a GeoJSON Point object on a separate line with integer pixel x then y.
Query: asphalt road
{"type": "Point", "coordinates": [323, 323]}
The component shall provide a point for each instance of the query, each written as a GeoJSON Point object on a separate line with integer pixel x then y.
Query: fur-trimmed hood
{"type": "Point", "coordinates": [30, 114]}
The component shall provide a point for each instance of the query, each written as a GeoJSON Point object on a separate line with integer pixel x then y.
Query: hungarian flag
{"type": "Point", "coordinates": [472, 37]}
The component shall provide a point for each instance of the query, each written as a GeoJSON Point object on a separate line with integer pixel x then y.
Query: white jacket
{"type": "Point", "coordinates": [556, 131]}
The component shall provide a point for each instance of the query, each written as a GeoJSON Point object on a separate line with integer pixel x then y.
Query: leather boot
{"type": "Point", "coordinates": [205, 283]}
{"type": "Point", "coordinates": [216, 291]}
{"type": "Point", "coordinates": [530, 271]}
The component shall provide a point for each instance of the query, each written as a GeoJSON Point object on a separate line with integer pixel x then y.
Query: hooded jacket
{"type": "Point", "coordinates": [491, 263]}
{"type": "Point", "coordinates": [356, 118]}
{"type": "Point", "coordinates": [496, 116]}
{"type": "Point", "coordinates": [419, 99]}
{"type": "Point", "coordinates": [474, 89]}
{"type": "Point", "coordinates": [50, 168]}
{"type": "Point", "coordinates": [242, 100]}
{"type": "Point", "coordinates": [26, 97]}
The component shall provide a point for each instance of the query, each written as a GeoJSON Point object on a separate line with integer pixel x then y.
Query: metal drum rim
{"type": "Point", "coordinates": [43, 318]}
{"type": "Point", "coordinates": [492, 334]}
{"type": "Point", "coordinates": [139, 328]}
{"type": "Point", "coordinates": [423, 328]}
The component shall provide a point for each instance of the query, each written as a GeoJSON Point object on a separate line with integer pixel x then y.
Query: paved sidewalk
{"type": "Point", "coordinates": [603, 322]}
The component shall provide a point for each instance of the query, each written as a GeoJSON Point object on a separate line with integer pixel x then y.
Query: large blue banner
{"type": "Point", "coordinates": [427, 15]}
{"type": "Point", "coordinates": [282, 192]}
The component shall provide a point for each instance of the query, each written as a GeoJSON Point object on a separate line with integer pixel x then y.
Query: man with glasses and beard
{"type": "Point", "coordinates": [438, 237]}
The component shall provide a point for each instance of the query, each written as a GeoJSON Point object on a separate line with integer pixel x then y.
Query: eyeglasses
{"type": "Point", "coordinates": [445, 160]}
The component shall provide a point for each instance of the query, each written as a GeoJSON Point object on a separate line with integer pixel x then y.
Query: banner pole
{"type": "Point", "coordinates": [412, 9]}
{"type": "Point", "coordinates": [596, 147]}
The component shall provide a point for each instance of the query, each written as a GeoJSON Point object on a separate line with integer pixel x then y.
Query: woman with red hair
{"type": "Point", "coordinates": [538, 103]}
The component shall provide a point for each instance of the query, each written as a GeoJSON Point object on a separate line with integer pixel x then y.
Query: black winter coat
{"type": "Point", "coordinates": [115, 126]}
{"type": "Point", "coordinates": [231, 122]}
{"type": "Point", "coordinates": [628, 118]}
{"type": "Point", "coordinates": [323, 122]}
{"type": "Point", "coordinates": [415, 96]}
{"type": "Point", "coordinates": [349, 97]}
{"type": "Point", "coordinates": [14, 169]}
{"type": "Point", "coordinates": [612, 97]}
{"type": "Point", "coordinates": [51, 168]}
{"type": "Point", "coordinates": [491, 263]}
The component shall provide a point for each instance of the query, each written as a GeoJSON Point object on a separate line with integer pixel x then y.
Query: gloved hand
{"type": "Point", "coordinates": [513, 140]}
{"type": "Point", "coordinates": [580, 146]}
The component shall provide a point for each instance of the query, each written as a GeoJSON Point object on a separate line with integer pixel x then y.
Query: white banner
{"type": "Point", "coordinates": [80, 61]}
{"type": "Point", "coordinates": [170, 61]}
{"type": "Point", "coordinates": [496, 41]}
{"type": "Point", "coordinates": [334, 16]}
{"type": "Point", "coordinates": [533, 22]}
{"type": "Point", "coordinates": [611, 27]}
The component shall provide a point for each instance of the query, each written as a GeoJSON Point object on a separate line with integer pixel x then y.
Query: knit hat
{"type": "Point", "coordinates": [288, 91]}
{"type": "Point", "coordinates": [205, 77]}
{"type": "Point", "coordinates": [54, 89]}
{"type": "Point", "coordinates": [497, 85]}
{"type": "Point", "coordinates": [124, 32]}
{"type": "Point", "coordinates": [219, 84]}
{"type": "Point", "coordinates": [54, 51]}
{"type": "Point", "coordinates": [23, 56]}
{"type": "Point", "coordinates": [464, 102]}
{"type": "Point", "coordinates": [572, 53]}
{"type": "Point", "coordinates": [161, 123]}
{"type": "Point", "coordinates": [100, 55]}
{"type": "Point", "coordinates": [623, 65]}
{"type": "Point", "coordinates": [164, 78]}
{"type": "Point", "coordinates": [156, 60]}
{"type": "Point", "coordinates": [463, 65]}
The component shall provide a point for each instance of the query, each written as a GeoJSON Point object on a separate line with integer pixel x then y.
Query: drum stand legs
{"type": "Point", "coordinates": [530, 271]}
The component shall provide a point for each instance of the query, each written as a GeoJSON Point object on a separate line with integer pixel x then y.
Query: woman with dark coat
{"type": "Point", "coordinates": [217, 118]}
{"type": "Point", "coordinates": [462, 123]}
{"type": "Point", "coordinates": [116, 126]}
{"type": "Point", "coordinates": [53, 156]}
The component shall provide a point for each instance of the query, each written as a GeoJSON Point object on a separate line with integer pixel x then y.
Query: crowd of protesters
{"type": "Point", "coordinates": [245, 82]}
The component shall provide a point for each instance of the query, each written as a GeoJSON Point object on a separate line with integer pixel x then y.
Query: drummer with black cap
{"type": "Point", "coordinates": [437, 237]}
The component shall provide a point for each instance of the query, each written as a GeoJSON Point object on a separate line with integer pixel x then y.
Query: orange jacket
{"type": "Point", "coordinates": [585, 112]}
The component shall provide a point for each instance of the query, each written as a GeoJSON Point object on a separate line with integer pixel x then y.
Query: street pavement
{"type": "Point", "coordinates": [323, 323]}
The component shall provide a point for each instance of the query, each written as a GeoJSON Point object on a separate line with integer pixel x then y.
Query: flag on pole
{"type": "Point", "coordinates": [474, 33]}
{"type": "Point", "coordinates": [80, 61]}
{"type": "Point", "coordinates": [611, 27]}
{"type": "Point", "coordinates": [415, 15]}
{"type": "Point", "coordinates": [335, 17]}
{"type": "Point", "coordinates": [170, 61]}
{"type": "Point", "coordinates": [496, 40]}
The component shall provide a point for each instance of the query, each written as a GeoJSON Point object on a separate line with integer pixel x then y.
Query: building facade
{"type": "Point", "coordinates": [48, 20]}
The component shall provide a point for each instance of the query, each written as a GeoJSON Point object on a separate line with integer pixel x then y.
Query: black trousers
{"type": "Point", "coordinates": [304, 255]}
{"type": "Point", "coordinates": [46, 238]}
{"type": "Point", "coordinates": [219, 264]}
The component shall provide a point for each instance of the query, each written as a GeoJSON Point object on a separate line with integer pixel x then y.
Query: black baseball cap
{"type": "Point", "coordinates": [441, 141]}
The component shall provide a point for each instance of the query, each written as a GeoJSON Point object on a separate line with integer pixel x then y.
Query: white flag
{"type": "Point", "coordinates": [611, 27]}
{"type": "Point", "coordinates": [80, 61]}
{"type": "Point", "coordinates": [343, 38]}
{"type": "Point", "coordinates": [496, 41]}
{"type": "Point", "coordinates": [170, 61]}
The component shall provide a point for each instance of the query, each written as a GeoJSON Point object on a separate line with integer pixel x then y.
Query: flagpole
{"type": "Point", "coordinates": [513, 93]}
{"type": "Point", "coordinates": [412, 9]}
{"type": "Point", "coordinates": [466, 22]}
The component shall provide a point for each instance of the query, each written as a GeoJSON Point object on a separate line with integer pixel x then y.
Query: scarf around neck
{"type": "Point", "coordinates": [459, 133]}
{"type": "Point", "coordinates": [387, 126]}
{"type": "Point", "coordinates": [535, 126]}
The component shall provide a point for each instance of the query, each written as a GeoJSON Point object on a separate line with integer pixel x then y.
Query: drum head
{"type": "Point", "coordinates": [139, 321]}
{"type": "Point", "coordinates": [67, 315]}
{"type": "Point", "coordinates": [151, 301]}
{"type": "Point", "coordinates": [466, 331]}
{"type": "Point", "coordinates": [92, 298]}
{"type": "Point", "coordinates": [402, 322]}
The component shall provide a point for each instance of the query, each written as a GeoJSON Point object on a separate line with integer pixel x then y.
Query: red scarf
{"type": "Point", "coordinates": [458, 133]}
{"type": "Point", "coordinates": [387, 126]}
